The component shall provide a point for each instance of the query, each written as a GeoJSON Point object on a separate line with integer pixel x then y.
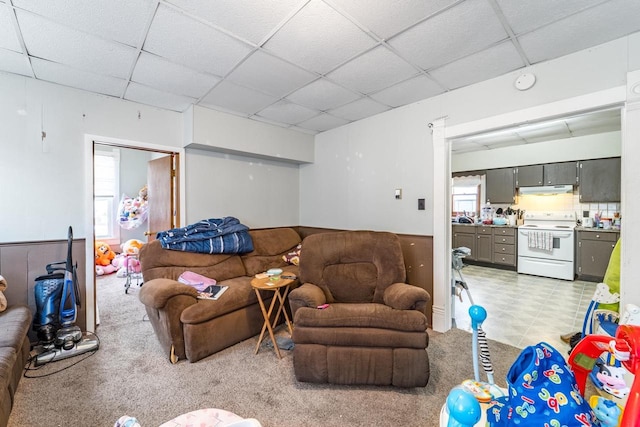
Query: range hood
{"type": "Point", "coordinates": [546, 190]}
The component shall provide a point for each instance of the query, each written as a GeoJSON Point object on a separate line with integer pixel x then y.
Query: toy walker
{"type": "Point", "coordinates": [467, 403]}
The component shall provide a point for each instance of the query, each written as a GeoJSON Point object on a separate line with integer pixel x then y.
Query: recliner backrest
{"type": "Point", "coordinates": [352, 266]}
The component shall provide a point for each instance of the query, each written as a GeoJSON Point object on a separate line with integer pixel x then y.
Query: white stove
{"type": "Point", "coordinates": [546, 245]}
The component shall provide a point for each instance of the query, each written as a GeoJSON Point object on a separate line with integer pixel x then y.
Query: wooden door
{"type": "Point", "coordinates": [162, 195]}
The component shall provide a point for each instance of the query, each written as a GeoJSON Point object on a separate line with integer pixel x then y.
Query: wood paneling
{"type": "Point", "coordinates": [21, 263]}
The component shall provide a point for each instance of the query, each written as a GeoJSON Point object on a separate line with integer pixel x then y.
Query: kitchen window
{"type": "Point", "coordinates": [466, 195]}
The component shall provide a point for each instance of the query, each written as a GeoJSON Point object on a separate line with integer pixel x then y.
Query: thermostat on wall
{"type": "Point", "coordinates": [525, 81]}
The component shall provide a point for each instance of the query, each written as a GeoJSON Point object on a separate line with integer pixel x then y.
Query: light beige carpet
{"type": "Point", "coordinates": [130, 375]}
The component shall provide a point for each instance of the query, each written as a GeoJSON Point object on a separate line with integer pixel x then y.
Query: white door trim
{"type": "Point", "coordinates": [89, 141]}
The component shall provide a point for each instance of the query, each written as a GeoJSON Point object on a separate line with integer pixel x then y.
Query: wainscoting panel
{"type": "Point", "coordinates": [21, 263]}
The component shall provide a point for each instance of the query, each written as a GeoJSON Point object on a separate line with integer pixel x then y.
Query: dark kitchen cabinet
{"type": "Point", "coordinates": [529, 176]}
{"type": "Point", "coordinates": [563, 173]}
{"type": "Point", "coordinates": [600, 180]}
{"type": "Point", "coordinates": [500, 185]}
{"type": "Point", "coordinates": [464, 235]}
{"type": "Point", "coordinates": [504, 245]}
{"type": "Point", "coordinates": [484, 244]}
{"type": "Point", "coordinates": [593, 252]}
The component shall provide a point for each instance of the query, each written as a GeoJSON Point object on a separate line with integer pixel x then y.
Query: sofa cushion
{"type": "Point", "coordinates": [8, 359]}
{"type": "Point", "coordinates": [239, 295]}
{"type": "Point", "coordinates": [269, 246]}
{"type": "Point", "coordinates": [356, 338]}
{"type": "Point", "coordinates": [157, 262]}
{"type": "Point", "coordinates": [365, 315]}
{"type": "Point", "coordinates": [14, 326]}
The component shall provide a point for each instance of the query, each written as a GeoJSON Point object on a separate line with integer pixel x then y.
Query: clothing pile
{"type": "Point", "coordinates": [209, 236]}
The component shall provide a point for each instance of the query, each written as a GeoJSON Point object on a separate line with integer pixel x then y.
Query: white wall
{"type": "Point", "coordinates": [357, 167]}
{"type": "Point", "coordinates": [259, 192]}
{"type": "Point", "coordinates": [42, 182]}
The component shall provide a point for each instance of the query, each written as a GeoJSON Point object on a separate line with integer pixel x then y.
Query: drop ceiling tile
{"type": "Point", "coordinates": [183, 40]}
{"type": "Point", "coordinates": [358, 74]}
{"type": "Point", "coordinates": [251, 20]}
{"type": "Point", "coordinates": [287, 112]}
{"type": "Point", "coordinates": [14, 62]}
{"type": "Point", "coordinates": [386, 18]}
{"type": "Point", "coordinates": [269, 74]}
{"type": "Point", "coordinates": [464, 29]}
{"type": "Point", "coordinates": [409, 91]}
{"type": "Point", "coordinates": [307, 131]}
{"type": "Point", "coordinates": [502, 144]}
{"type": "Point", "coordinates": [525, 16]}
{"type": "Point", "coordinates": [146, 95]}
{"type": "Point", "coordinates": [122, 20]}
{"type": "Point", "coordinates": [558, 130]}
{"type": "Point", "coordinates": [48, 40]}
{"type": "Point", "coordinates": [359, 109]}
{"type": "Point", "coordinates": [484, 65]}
{"type": "Point", "coordinates": [8, 37]}
{"type": "Point", "coordinates": [237, 98]}
{"type": "Point", "coordinates": [161, 74]}
{"type": "Point", "coordinates": [591, 27]}
{"type": "Point", "coordinates": [463, 146]}
{"type": "Point", "coordinates": [319, 38]}
{"type": "Point", "coordinates": [322, 122]}
{"type": "Point", "coordinates": [67, 76]}
{"type": "Point", "coordinates": [322, 95]}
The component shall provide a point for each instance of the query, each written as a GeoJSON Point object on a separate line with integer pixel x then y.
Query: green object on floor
{"type": "Point", "coordinates": [612, 277]}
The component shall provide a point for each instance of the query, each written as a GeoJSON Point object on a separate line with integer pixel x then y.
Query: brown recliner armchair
{"type": "Point", "coordinates": [374, 330]}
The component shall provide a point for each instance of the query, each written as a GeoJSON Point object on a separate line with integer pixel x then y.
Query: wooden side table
{"type": "Point", "coordinates": [280, 288]}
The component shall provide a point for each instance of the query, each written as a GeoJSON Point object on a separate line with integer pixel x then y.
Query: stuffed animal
{"type": "Point", "coordinates": [130, 262]}
{"type": "Point", "coordinates": [104, 254]}
{"type": "Point", "coordinates": [131, 246]}
{"type": "Point", "coordinates": [143, 193]}
{"type": "Point", "coordinates": [101, 270]}
{"type": "Point", "coordinates": [3, 299]}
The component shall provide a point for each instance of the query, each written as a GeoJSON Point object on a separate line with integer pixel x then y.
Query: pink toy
{"type": "Point", "coordinates": [101, 270]}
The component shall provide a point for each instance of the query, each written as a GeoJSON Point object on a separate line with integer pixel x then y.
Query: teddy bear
{"type": "Point", "coordinates": [3, 299]}
{"type": "Point", "coordinates": [131, 246]}
{"type": "Point", "coordinates": [103, 253]}
{"type": "Point", "coordinates": [101, 270]}
{"type": "Point", "coordinates": [121, 262]}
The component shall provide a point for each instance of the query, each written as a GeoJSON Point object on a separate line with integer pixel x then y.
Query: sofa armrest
{"type": "Point", "coordinates": [403, 296]}
{"type": "Point", "coordinates": [157, 292]}
{"type": "Point", "coordinates": [307, 295]}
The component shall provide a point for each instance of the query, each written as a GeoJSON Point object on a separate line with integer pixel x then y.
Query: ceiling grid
{"type": "Point", "coordinates": [309, 65]}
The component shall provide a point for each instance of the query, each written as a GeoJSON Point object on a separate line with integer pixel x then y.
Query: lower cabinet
{"type": "Point", "coordinates": [484, 244]}
{"type": "Point", "coordinates": [593, 250]}
{"type": "Point", "coordinates": [465, 235]}
{"type": "Point", "coordinates": [489, 245]}
{"type": "Point", "coordinates": [504, 246]}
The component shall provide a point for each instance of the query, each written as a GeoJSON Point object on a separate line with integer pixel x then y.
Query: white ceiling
{"type": "Point", "coordinates": [567, 127]}
{"type": "Point", "coordinates": [311, 65]}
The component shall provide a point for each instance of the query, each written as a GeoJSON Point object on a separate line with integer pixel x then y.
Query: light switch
{"type": "Point", "coordinates": [420, 204]}
{"type": "Point", "coordinates": [398, 193]}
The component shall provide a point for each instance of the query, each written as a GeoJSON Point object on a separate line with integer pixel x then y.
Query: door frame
{"type": "Point", "coordinates": [442, 135]}
{"type": "Point", "coordinates": [89, 144]}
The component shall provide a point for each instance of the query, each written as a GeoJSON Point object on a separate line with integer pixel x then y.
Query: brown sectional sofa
{"type": "Point", "coordinates": [193, 329]}
{"type": "Point", "coordinates": [14, 353]}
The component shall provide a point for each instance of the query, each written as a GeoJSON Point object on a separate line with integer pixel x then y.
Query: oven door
{"type": "Point", "coordinates": [562, 247]}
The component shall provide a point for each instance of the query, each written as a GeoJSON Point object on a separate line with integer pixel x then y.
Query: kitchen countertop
{"type": "Point", "coordinates": [599, 230]}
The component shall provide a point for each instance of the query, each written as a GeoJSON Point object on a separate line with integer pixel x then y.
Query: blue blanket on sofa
{"type": "Point", "coordinates": [209, 236]}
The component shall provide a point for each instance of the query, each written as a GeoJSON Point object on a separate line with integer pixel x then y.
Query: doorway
{"type": "Point", "coordinates": [442, 141]}
{"type": "Point", "coordinates": [135, 158]}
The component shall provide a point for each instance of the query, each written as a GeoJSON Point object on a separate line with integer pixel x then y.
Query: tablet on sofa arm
{"type": "Point", "coordinates": [212, 292]}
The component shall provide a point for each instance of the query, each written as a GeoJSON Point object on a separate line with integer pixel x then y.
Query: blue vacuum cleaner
{"type": "Point", "coordinates": [57, 298]}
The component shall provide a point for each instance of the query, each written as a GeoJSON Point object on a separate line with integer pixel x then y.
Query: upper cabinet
{"type": "Point", "coordinates": [501, 185]}
{"type": "Point", "coordinates": [529, 176]}
{"type": "Point", "coordinates": [600, 180]}
{"type": "Point", "coordinates": [563, 173]}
